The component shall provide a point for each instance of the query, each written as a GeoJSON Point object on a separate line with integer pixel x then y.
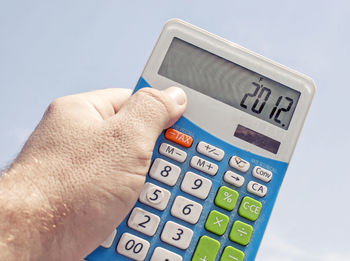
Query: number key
{"type": "Point", "coordinates": [196, 185]}
{"type": "Point", "coordinates": [154, 196]}
{"type": "Point", "coordinates": [133, 247]}
{"type": "Point", "coordinates": [143, 221]}
{"type": "Point", "coordinates": [176, 235]}
{"type": "Point", "coordinates": [186, 210]}
{"type": "Point", "coordinates": [164, 171]}
{"type": "Point", "coordinates": [162, 254]}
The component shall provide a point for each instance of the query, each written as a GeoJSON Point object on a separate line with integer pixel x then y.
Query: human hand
{"type": "Point", "coordinates": [81, 171]}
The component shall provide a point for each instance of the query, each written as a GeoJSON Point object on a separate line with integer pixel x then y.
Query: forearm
{"type": "Point", "coordinates": [26, 224]}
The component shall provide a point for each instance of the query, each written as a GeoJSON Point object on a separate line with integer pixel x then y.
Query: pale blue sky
{"type": "Point", "coordinates": [54, 48]}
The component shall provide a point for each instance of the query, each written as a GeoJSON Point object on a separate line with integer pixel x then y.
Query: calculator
{"type": "Point", "coordinates": [215, 174]}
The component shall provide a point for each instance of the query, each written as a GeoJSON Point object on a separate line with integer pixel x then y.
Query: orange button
{"type": "Point", "coordinates": [178, 137]}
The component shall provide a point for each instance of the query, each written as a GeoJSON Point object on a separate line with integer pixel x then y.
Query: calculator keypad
{"type": "Point", "coordinates": [143, 221]}
{"type": "Point", "coordinates": [198, 185]}
{"type": "Point", "coordinates": [176, 235]}
{"type": "Point", "coordinates": [186, 210]}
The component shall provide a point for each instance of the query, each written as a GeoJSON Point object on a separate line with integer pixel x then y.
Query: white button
{"type": "Point", "coordinates": [162, 254]}
{"type": "Point", "coordinates": [210, 151]}
{"type": "Point", "coordinates": [133, 247]}
{"type": "Point", "coordinates": [239, 164]}
{"type": "Point", "coordinates": [263, 174]}
{"type": "Point", "coordinates": [176, 235]}
{"type": "Point", "coordinates": [109, 240]}
{"type": "Point", "coordinates": [233, 178]}
{"type": "Point", "coordinates": [154, 196]}
{"type": "Point", "coordinates": [204, 165]}
{"type": "Point", "coordinates": [164, 171]}
{"type": "Point", "coordinates": [196, 185]}
{"type": "Point", "coordinates": [186, 209]}
{"type": "Point", "coordinates": [143, 221]}
{"type": "Point", "coordinates": [256, 188]}
{"type": "Point", "coordinates": [172, 152]}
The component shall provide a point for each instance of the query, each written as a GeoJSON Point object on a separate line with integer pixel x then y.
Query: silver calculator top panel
{"type": "Point", "coordinates": [221, 119]}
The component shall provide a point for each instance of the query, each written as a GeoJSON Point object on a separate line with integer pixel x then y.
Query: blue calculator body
{"type": "Point", "coordinates": [215, 174]}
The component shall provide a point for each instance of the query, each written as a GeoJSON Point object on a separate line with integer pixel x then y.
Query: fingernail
{"type": "Point", "coordinates": [176, 94]}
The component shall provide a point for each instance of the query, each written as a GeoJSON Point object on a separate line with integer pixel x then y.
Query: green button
{"type": "Point", "coordinates": [232, 254]}
{"type": "Point", "coordinates": [241, 233]}
{"type": "Point", "coordinates": [226, 198]}
{"type": "Point", "coordinates": [250, 208]}
{"type": "Point", "coordinates": [217, 223]}
{"type": "Point", "coordinates": [207, 249]}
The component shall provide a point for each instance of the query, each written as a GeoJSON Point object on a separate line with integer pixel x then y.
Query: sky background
{"type": "Point", "coordinates": [55, 48]}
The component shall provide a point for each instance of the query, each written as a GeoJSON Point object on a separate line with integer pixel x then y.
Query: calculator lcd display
{"type": "Point", "coordinates": [230, 83]}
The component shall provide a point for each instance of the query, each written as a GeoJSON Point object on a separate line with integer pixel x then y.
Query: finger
{"type": "Point", "coordinates": [149, 111]}
{"type": "Point", "coordinates": [106, 101]}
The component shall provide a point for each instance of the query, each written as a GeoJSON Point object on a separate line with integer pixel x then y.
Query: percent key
{"type": "Point", "coordinates": [226, 198]}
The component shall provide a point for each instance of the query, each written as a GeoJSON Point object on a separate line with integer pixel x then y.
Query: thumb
{"type": "Point", "coordinates": [149, 111]}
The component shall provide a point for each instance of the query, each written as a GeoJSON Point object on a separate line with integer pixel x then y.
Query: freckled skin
{"type": "Point", "coordinates": [81, 171]}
